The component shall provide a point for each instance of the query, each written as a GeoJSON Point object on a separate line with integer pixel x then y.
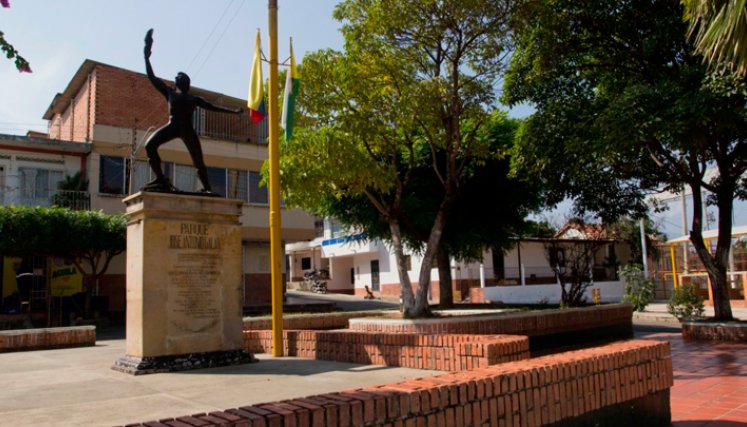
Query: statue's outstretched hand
{"type": "Point", "coordinates": [148, 43]}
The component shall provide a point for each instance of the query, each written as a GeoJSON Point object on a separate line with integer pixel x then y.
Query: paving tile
{"type": "Point", "coordinates": [710, 382]}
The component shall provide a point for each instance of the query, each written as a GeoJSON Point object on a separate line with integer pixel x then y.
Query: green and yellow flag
{"type": "Point", "coordinates": [289, 100]}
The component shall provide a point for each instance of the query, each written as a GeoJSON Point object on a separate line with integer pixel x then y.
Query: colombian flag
{"type": "Point", "coordinates": [289, 101]}
{"type": "Point", "coordinates": [256, 101]}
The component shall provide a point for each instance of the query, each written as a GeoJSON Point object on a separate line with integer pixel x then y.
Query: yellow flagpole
{"type": "Point", "coordinates": [276, 253]}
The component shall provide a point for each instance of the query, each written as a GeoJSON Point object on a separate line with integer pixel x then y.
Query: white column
{"type": "Point", "coordinates": [482, 275]}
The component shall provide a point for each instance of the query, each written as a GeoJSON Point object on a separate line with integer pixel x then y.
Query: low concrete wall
{"type": "Point", "coordinates": [435, 352]}
{"type": "Point", "coordinates": [610, 292]}
{"type": "Point", "coordinates": [531, 323]}
{"type": "Point", "coordinates": [714, 331]}
{"type": "Point", "coordinates": [47, 338]}
{"type": "Point", "coordinates": [336, 320]}
{"type": "Point", "coordinates": [620, 384]}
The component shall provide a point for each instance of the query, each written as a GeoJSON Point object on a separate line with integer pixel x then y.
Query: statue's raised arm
{"type": "Point", "coordinates": [157, 83]}
{"type": "Point", "coordinates": [208, 106]}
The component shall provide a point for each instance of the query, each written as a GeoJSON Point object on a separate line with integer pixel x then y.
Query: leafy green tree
{"type": "Point", "coordinates": [625, 107]}
{"type": "Point", "coordinates": [720, 31]}
{"type": "Point", "coordinates": [489, 210]}
{"type": "Point", "coordinates": [414, 75]}
{"type": "Point", "coordinates": [542, 228]}
{"type": "Point", "coordinates": [89, 239]}
{"type": "Point", "coordinates": [629, 229]}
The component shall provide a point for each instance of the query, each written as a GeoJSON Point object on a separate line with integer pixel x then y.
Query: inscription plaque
{"type": "Point", "coordinates": [193, 278]}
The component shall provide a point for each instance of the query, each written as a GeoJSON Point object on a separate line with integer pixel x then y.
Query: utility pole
{"type": "Point", "coordinates": [276, 253]}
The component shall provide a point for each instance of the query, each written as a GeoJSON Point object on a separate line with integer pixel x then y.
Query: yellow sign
{"type": "Point", "coordinates": [66, 280]}
{"type": "Point", "coordinates": [8, 283]}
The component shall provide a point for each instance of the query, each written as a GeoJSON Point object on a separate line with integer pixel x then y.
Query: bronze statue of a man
{"type": "Point", "coordinates": [181, 109]}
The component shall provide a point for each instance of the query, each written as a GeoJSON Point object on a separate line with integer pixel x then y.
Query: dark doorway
{"type": "Point", "coordinates": [499, 267]}
{"type": "Point", "coordinates": [375, 275]}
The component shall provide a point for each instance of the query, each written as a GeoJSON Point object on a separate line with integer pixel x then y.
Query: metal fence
{"type": "Point", "coordinates": [77, 200]}
{"type": "Point", "coordinates": [230, 127]}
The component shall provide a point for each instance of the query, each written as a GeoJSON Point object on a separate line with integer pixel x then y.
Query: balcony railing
{"type": "Point", "coordinates": [230, 127]}
{"type": "Point", "coordinates": [76, 200]}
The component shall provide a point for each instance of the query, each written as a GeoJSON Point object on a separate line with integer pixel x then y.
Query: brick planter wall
{"type": "Point", "coordinates": [47, 338]}
{"type": "Point", "coordinates": [435, 352]}
{"type": "Point", "coordinates": [620, 384]}
{"type": "Point", "coordinates": [711, 331]}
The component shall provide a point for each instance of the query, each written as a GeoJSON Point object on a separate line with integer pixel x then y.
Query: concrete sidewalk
{"type": "Point", "coordinates": [657, 313]}
{"type": "Point", "coordinates": [76, 387]}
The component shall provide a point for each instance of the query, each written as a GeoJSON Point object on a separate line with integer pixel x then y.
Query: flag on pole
{"type": "Point", "coordinates": [256, 101]}
{"type": "Point", "coordinates": [289, 100]}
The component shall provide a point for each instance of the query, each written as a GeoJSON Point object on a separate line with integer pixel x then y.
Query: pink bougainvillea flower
{"type": "Point", "coordinates": [5, 3]}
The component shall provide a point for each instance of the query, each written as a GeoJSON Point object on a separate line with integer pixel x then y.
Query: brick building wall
{"type": "Point", "coordinates": [128, 100]}
{"type": "Point", "coordinates": [75, 122]}
{"type": "Point", "coordinates": [110, 96]}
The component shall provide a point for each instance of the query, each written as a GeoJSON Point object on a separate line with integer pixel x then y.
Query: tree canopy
{"type": "Point", "coordinates": [489, 210]}
{"type": "Point", "coordinates": [415, 77]}
{"type": "Point", "coordinates": [625, 107]}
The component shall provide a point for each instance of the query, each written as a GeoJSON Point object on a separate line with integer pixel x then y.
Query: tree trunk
{"type": "Point", "coordinates": [421, 307]}
{"type": "Point", "coordinates": [445, 287]}
{"type": "Point", "coordinates": [91, 285]}
{"type": "Point", "coordinates": [406, 294]}
{"type": "Point", "coordinates": [715, 265]}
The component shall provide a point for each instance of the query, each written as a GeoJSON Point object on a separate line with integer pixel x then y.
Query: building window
{"type": "Point", "coordinates": [112, 175]}
{"type": "Point", "coordinates": [257, 194]}
{"type": "Point", "coordinates": [336, 229]}
{"type": "Point", "coordinates": [238, 185]}
{"type": "Point", "coordinates": [306, 263]}
{"type": "Point", "coordinates": [318, 226]}
{"type": "Point", "coordinates": [38, 185]}
{"type": "Point", "coordinates": [217, 179]}
{"type": "Point", "coordinates": [185, 178]}
{"type": "Point", "coordinates": [140, 174]}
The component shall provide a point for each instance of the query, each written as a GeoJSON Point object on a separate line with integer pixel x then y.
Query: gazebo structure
{"type": "Point", "coordinates": [682, 265]}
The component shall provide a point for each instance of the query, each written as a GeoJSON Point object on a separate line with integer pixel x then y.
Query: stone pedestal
{"type": "Point", "coordinates": [184, 306]}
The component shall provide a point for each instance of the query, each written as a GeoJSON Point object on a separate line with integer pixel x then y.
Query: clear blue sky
{"type": "Point", "coordinates": [216, 37]}
{"type": "Point", "coordinates": [213, 41]}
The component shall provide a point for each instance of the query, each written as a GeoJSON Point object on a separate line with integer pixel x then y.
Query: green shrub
{"type": "Point", "coordinates": [685, 303]}
{"type": "Point", "coordinates": [639, 290]}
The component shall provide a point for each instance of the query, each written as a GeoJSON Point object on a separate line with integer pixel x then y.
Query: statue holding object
{"type": "Point", "coordinates": [181, 110]}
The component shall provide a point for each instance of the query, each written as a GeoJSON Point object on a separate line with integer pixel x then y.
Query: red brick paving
{"type": "Point", "coordinates": [710, 382]}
